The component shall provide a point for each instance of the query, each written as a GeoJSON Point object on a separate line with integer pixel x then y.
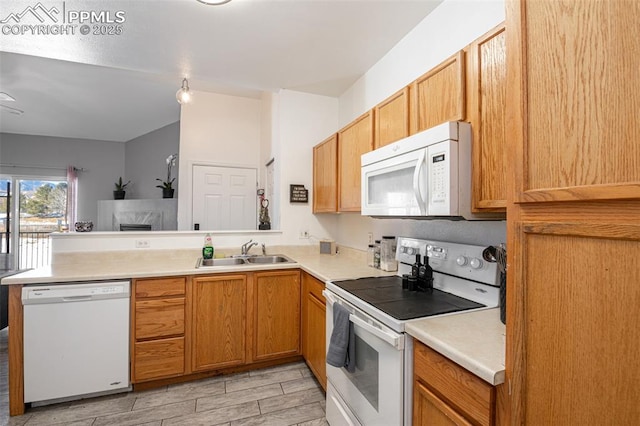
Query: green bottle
{"type": "Point", "coordinates": [207, 250]}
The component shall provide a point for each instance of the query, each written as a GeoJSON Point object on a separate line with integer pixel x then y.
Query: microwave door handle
{"type": "Point", "coordinates": [416, 182]}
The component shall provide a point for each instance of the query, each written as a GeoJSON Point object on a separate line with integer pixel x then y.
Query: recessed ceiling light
{"type": "Point", "coordinates": [213, 2]}
{"type": "Point", "coordinates": [6, 97]}
{"type": "Point", "coordinates": [10, 110]}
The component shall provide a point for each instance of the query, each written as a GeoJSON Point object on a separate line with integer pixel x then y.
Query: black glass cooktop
{"type": "Point", "coordinates": [386, 294]}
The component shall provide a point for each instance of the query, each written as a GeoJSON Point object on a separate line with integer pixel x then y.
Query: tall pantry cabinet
{"type": "Point", "coordinates": [573, 323]}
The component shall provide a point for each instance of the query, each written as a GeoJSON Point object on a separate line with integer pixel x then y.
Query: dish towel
{"type": "Point", "coordinates": [341, 352]}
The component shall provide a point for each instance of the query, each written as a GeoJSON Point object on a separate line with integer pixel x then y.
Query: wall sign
{"type": "Point", "coordinates": [298, 194]}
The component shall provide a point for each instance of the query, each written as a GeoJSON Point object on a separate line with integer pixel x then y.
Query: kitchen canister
{"type": "Point", "coordinates": [388, 260]}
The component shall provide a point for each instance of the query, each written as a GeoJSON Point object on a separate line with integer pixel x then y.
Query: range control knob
{"type": "Point", "coordinates": [410, 251]}
{"type": "Point", "coordinates": [461, 260]}
{"type": "Point", "coordinates": [476, 263]}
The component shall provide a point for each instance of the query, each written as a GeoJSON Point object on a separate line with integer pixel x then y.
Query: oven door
{"type": "Point", "coordinates": [374, 393]}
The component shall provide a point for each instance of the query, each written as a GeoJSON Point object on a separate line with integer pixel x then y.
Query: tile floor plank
{"type": "Point", "coordinates": [263, 379]}
{"type": "Point", "coordinates": [132, 418]}
{"type": "Point", "coordinates": [290, 416]}
{"type": "Point", "coordinates": [216, 416]}
{"type": "Point", "coordinates": [238, 397]}
{"type": "Point", "coordinates": [295, 399]}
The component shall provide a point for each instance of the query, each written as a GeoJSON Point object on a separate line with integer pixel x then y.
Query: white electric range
{"type": "Point", "coordinates": [379, 391]}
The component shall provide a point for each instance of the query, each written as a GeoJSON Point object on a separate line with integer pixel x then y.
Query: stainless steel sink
{"type": "Point", "coordinates": [227, 261]}
{"type": "Point", "coordinates": [278, 258]}
{"type": "Point", "coordinates": [244, 260]}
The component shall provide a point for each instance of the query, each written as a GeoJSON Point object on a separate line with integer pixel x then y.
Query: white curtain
{"type": "Point", "coordinates": [72, 196]}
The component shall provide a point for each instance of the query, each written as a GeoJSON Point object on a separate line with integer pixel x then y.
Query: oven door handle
{"type": "Point", "coordinates": [395, 340]}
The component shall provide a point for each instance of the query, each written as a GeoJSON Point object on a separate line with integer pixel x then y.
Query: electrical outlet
{"type": "Point", "coordinates": [370, 237]}
{"type": "Point", "coordinates": [304, 234]}
{"type": "Point", "coordinates": [143, 244]}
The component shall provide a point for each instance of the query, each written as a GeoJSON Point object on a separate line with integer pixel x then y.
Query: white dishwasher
{"type": "Point", "coordinates": [76, 340]}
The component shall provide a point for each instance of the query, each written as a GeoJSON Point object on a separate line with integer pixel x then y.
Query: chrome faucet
{"type": "Point", "coordinates": [244, 250]}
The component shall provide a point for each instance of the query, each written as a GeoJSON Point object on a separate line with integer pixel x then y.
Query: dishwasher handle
{"type": "Point", "coordinates": [77, 298]}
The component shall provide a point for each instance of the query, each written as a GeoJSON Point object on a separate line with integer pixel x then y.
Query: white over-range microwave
{"type": "Point", "coordinates": [427, 174]}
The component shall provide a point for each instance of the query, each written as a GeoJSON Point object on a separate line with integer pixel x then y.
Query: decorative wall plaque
{"type": "Point", "coordinates": [298, 194]}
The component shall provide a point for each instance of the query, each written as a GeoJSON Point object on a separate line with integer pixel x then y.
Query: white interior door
{"type": "Point", "coordinates": [224, 198]}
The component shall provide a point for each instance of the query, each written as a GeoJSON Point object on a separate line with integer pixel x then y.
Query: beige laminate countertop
{"type": "Point", "coordinates": [77, 267]}
{"type": "Point", "coordinates": [473, 340]}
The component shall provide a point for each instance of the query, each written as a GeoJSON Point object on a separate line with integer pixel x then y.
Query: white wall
{"type": "Point", "coordinates": [448, 29]}
{"type": "Point", "coordinates": [145, 160]}
{"type": "Point", "coordinates": [216, 130]}
{"type": "Point", "coordinates": [303, 120]}
{"type": "Point", "coordinates": [103, 162]}
{"type": "Point", "coordinates": [445, 31]}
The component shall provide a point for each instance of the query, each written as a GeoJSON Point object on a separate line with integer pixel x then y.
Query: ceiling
{"type": "Point", "coordinates": [117, 87]}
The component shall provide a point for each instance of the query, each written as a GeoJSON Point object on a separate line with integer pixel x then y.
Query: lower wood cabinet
{"type": "Point", "coordinates": [219, 321]}
{"type": "Point", "coordinates": [276, 314]}
{"type": "Point", "coordinates": [445, 393]}
{"type": "Point", "coordinates": [159, 315]}
{"type": "Point", "coordinates": [314, 327]}
{"type": "Point", "coordinates": [202, 323]}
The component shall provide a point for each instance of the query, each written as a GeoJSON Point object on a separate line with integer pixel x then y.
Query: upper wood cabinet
{"type": "Point", "coordinates": [438, 95]}
{"type": "Point", "coordinates": [353, 140]}
{"type": "Point", "coordinates": [276, 320]}
{"type": "Point", "coordinates": [219, 321]}
{"type": "Point", "coordinates": [576, 84]}
{"type": "Point", "coordinates": [486, 111]}
{"type": "Point", "coordinates": [325, 176]}
{"type": "Point", "coordinates": [392, 119]}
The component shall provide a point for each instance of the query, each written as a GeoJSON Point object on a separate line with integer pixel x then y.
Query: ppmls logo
{"type": "Point", "coordinates": [40, 20]}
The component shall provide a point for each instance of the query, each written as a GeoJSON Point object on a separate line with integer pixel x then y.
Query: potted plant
{"type": "Point", "coordinates": [119, 192]}
{"type": "Point", "coordinates": [167, 185]}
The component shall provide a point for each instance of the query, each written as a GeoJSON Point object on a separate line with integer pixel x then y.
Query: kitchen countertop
{"type": "Point", "coordinates": [77, 267]}
{"type": "Point", "coordinates": [473, 340]}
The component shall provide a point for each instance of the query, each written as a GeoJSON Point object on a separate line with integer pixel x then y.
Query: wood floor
{"type": "Point", "coordinates": [283, 395]}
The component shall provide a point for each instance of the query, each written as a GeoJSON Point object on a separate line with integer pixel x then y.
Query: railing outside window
{"type": "Point", "coordinates": [34, 249]}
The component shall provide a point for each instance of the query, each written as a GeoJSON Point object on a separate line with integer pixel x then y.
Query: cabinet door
{"type": "Point", "coordinates": [574, 96]}
{"type": "Point", "coordinates": [325, 176]}
{"type": "Point", "coordinates": [438, 95]}
{"type": "Point", "coordinates": [429, 410]}
{"type": "Point", "coordinates": [314, 327]}
{"type": "Point", "coordinates": [219, 321]}
{"type": "Point", "coordinates": [353, 141]}
{"type": "Point", "coordinates": [578, 318]}
{"type": "Point", "coordinates": [392, 119]}
{"type": "Point", "coordinates": [487, 108]}
{"type": "Point", "coordinates": [276, 314]}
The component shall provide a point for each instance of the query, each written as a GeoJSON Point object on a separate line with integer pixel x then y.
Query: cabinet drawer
{"type": "Point", "coordinates": [159, 287]}
{"type": "Point", "coordinates": [315, 287]}
{"type": "Point", "coordinates": [458, 387]}
{"type": "Point", "coordinates": [157, 359]}
{"type": "Point", "coordinates": [160, 317]}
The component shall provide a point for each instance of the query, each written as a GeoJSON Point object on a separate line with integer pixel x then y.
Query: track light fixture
{"type": "Point", "coordinates": [183, 95]}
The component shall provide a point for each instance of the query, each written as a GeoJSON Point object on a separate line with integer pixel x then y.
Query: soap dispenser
{"type": "Point", "coordinates": [207, 249]}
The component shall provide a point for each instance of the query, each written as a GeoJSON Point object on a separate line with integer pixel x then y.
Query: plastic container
{"type": "Point", "coordinates": [376, 254]}
{"type": "Point", "coordinates": [371, 255]}
{"type": "Point", "coordinates": [207, 249]}
{"type": "Point", "coordinates": [388, 260]}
